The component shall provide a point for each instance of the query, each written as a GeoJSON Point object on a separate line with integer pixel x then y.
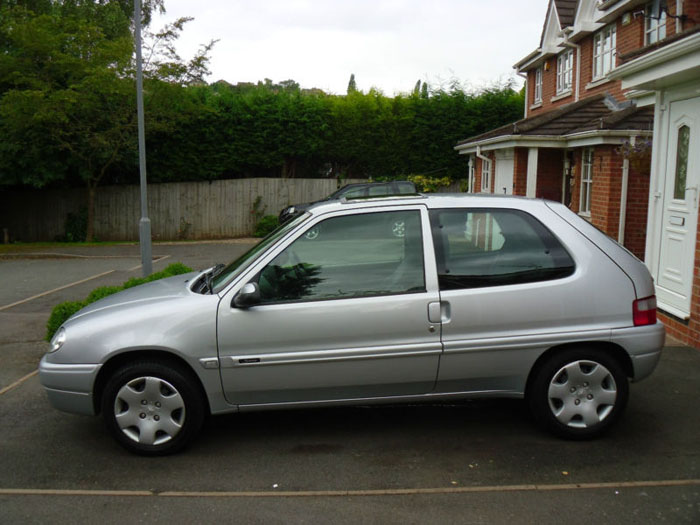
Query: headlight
{"type": "Point", "coordinates": [58, 339]}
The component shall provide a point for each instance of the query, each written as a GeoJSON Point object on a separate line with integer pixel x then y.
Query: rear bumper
{"type": "Point", "coordinates": [69, 387]}
{"type": "Point", "coordinates": [644, 345]}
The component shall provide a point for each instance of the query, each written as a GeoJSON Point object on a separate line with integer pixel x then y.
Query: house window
{"type": "Point", "coordinates": [565, 69]}
{"type": "Point", "coordinates": [537, 95]}
{"type": "Point", "coordinates": [655, 21]}
{"type": "Point", "coordinates": [604, 43]}
{"type": "Point", "coordinates": [485, 175]}
{"type": "Point", "coordinates": [586, 181]}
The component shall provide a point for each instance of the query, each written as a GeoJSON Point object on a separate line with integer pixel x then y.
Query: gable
{"type": "Point", "coordinates": [551, 32]}
{"type": "Point", "coordinates": [566, 10]}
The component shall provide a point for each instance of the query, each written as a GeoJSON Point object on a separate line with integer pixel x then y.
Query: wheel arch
{"type": "Point", "coordinates": [161, 356]}
{"type": "Point", "coordinates": [616, 352]}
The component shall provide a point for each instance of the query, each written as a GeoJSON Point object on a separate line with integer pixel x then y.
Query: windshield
{"type": "Point", "coordinates": [237, 266]}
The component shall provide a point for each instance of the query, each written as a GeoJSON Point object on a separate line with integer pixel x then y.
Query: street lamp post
{"type": "Point", "coordinates": [145, 222]}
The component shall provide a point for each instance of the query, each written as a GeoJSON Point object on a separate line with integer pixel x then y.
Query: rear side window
{"type": "Point", "coordinates": [493, 247]}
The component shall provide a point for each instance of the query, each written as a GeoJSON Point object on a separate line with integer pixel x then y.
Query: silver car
{"type": "Point", "coordinates": [482, 296]}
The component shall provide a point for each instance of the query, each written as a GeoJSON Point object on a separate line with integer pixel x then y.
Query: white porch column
{"type": "Point", "coordinates": [532, 154]}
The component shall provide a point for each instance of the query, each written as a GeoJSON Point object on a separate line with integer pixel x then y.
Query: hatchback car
{"type": "Point", "coordinates": [482, 296]}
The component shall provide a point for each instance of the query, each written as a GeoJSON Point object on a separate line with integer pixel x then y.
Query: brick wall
{"type": "Point", "coordinates": [637, 207]}
{"type": "Point", "coordinates": [520, 171]}
{"type": "Point", "coordinates": [691, 8]}
{"type": "Point", "coordinates": [607, 187]}
{"type": "Point", "coordinates": [550, 167]}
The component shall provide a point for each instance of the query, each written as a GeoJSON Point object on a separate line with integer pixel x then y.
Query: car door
{"type": "Point", "coordinates": [510, 290]}
{"type": "Point", "coordinates": [343, 314]}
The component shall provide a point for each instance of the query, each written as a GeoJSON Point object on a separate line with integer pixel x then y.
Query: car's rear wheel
{"type": "Point", "coordinates": [579, 393]}
{"type": "Point", "coordinates": [152, 408]}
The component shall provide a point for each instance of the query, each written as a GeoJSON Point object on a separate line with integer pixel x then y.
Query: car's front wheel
{"type": "Point", "coordinates": [152, 408]}
{"type": "Point", "coordinates": [579, 393]}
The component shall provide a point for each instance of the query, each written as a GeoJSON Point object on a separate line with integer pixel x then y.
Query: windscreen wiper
{"type": "Point", "coordinates": [209, 276]}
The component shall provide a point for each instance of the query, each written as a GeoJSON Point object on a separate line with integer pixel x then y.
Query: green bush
{"type": "Point", "coordinates": [76, 226]}
{"type": "Point", "coordinates": [266, 225]}
{"type": "Point", "coordinates": [101, 292]}
{"type": "Point", "coordinates": [61, 312]}
{"type": "Point", "coordinates": [173, 269]}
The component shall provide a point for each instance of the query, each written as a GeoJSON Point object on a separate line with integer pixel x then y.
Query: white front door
{"type": "Point", "coordinates": [674, 279]}
{"type": "Point", "coordinates": [504, 172]}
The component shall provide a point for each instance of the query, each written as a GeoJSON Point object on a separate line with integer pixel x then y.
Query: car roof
{"type": "Point", "coordinates": [432, 200]}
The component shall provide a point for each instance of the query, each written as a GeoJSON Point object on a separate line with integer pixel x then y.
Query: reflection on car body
{"type": "Point", "coordinates": [479, 296]}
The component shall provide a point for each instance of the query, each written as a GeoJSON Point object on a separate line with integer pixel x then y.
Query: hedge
{"type": "Point", "coordinates": [61, 312]}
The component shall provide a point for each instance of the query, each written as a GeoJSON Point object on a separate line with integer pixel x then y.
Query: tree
{"type": "Point", "coordinates": [352, 86]}
{"type": "Point", "coordinates": [416, 89]}
{"type": "Point", "coordinates": [67, 97]}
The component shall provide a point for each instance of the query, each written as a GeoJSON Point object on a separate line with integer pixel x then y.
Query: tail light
{"type": "Point", "coordinates": [644, 311]}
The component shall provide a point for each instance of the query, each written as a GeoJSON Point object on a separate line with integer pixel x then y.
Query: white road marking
{"type": "Point", "coordinates": [55, 290]}
{"type": "Point", "coordinates": [5, 307]}
{"type": "Point", "coordinates": [354, 493]}
{"type": "Point", "coordinates": [162, 257]}
{"type": "Point", "coordinates": [18, 382]}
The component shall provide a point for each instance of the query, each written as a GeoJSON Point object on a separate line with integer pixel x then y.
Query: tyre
{"type": "Point", "coordinates": [152, 408]}
{"type": "Point", "coordinates": [578, 393]}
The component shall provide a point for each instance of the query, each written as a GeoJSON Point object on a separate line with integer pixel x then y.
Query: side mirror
{"type": "Point", "coordinates": [247, 296]}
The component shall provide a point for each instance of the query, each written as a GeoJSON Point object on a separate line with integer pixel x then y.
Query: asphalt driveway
{"type": "Point", "coordinates": [465, 462]}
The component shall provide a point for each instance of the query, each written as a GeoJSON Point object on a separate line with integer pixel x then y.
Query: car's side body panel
{"type": "Point", "coordinates": [330, 349]}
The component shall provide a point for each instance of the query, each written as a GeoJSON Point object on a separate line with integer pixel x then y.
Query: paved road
{"type": "Point", "coordinates": [466, 462]}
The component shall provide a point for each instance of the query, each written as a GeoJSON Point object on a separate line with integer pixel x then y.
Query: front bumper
{"type": "Point", "coordinates": [69, 387]}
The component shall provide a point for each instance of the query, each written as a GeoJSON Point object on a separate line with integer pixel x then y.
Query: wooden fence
{"type": "Point", "coordinates": [187, 210]}
{"type": "Point", "coordinates": [178, 211]}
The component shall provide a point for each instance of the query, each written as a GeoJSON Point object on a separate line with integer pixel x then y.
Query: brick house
{"type": "Point", "coordinates": [587, 137]}
{"type": "Point", "coordinates": [669, 70]}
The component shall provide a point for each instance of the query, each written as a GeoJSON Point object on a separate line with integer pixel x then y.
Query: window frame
{"type": "Point", "coordinates": [584, 205]}
{"type": "Point", "coordinates": [486, 165]}
{"type": "Point", "coordinates": [652, 25]}
{"type": "Point", "coordinates": [607, 57]}
{"type": "Point", "coordinates": [537, 88]}
{"type": "Point", "coordinates": [565, 71]}
{"type": "Point", "coordinates": [423, 231]}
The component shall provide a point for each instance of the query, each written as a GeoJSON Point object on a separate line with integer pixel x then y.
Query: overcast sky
{"type": "Point", "coordinates": [387, 44]}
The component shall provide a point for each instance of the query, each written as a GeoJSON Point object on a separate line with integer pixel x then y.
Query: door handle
{"type": "Point", "coordinates": [439, 312]}
{"type": "Point", "coordinates": [434, 312]}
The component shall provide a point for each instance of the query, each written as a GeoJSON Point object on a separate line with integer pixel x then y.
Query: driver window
{"type": "Point", "coordinates": [361, 255]}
